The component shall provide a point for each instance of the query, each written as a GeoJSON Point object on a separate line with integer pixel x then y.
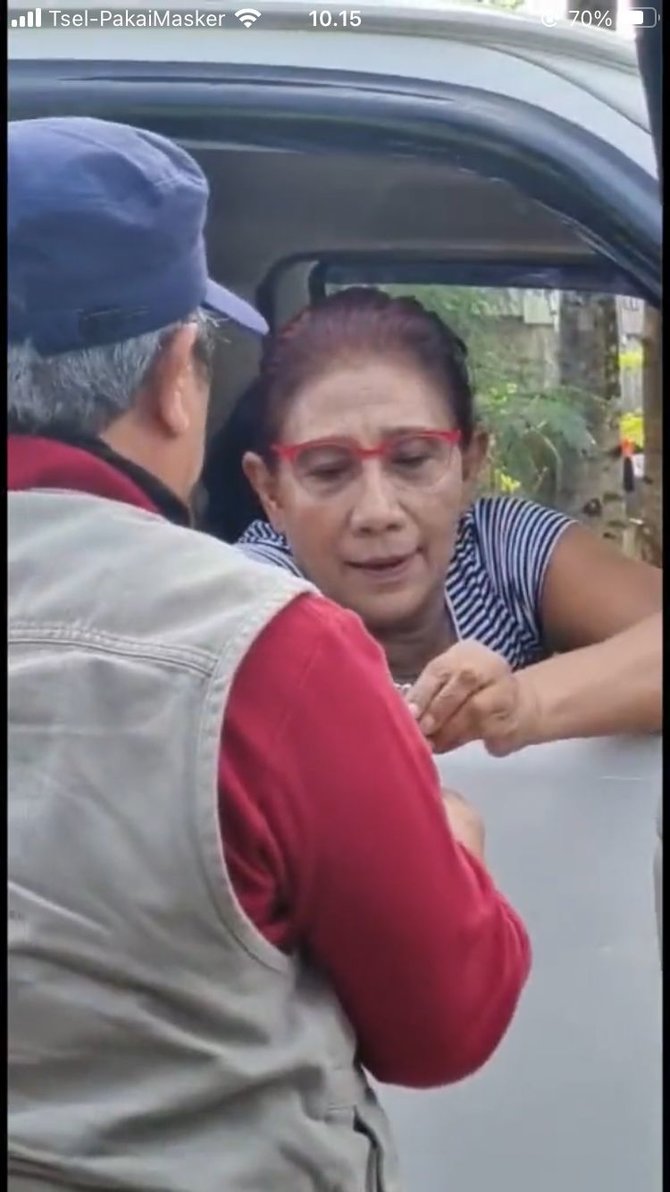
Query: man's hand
{"type": "Point", "coordinates": [466, 824]}
{"type": "Point", "coordinates": [469, 693]}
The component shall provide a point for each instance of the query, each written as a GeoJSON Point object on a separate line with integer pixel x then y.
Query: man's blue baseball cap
{"type": "Point", "coordinates": [105, 236]}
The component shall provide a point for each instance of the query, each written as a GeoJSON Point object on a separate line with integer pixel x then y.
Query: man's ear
{"type": "Point", "coordinates": [473, 459]}
{"type": "Point", "coordinates": [168, 390]}
{"type": "Point", "coordinates": [264, 483]}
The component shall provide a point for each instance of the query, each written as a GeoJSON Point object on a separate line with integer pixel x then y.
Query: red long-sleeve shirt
{"type": "Point", "coordinates": [333, 828]}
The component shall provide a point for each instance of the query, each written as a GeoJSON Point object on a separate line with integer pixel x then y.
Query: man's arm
{"type": "Point", "coordinates": [427, 958]}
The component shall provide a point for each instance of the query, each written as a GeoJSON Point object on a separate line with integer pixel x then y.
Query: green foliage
{"type": "Point", "coordinates": [631, 358]}
{"type": "Point", "coordinates": [532, 437]}
{"type": "Point", "coordinates": [631, 427]}
{"type": "Point", "coordinates": [537, 429]}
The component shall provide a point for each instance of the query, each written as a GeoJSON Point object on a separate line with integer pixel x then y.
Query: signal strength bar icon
{"type": "Point", "coordinates": [247, 16]}
{"type": "Point", "coordinates": [27, 20]}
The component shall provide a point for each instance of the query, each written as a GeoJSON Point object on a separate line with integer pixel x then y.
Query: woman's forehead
{"type": "Point", "coordinates": [371, 399]}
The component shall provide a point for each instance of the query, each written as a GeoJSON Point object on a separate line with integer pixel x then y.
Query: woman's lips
{"type": "Point", "coordinates": [386, 570]}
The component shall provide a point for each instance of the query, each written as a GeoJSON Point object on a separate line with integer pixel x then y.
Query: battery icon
{"type": "Point", "coordinates": [645, 18]}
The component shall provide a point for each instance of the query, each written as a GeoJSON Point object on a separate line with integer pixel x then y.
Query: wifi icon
{"type": "Point", "coordinates": [247, 16]}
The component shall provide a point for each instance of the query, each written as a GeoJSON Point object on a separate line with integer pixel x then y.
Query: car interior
{"type": "Point", "coordinates": [283, 225]}
{"type": "Point", "coordinates": [319, 180]}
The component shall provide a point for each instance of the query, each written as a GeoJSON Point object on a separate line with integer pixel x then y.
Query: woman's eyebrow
{"type": "Point", "coordinates": [410, 428]}
{"type": "Point", "coordinates": [382, 434]}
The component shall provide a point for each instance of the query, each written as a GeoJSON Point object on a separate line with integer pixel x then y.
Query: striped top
{"type": "Point", "coordinates": [494, 583]}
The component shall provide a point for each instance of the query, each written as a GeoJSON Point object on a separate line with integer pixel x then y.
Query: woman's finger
{"type": "Point", "coordinates": [457, 731]}
{"type": "Point", "coordinates": [491, 715]}
{"type": "Point", "coordinates": [458, 673]}
{"type": "Point", "coordinates": [450, 698]}
{"type": "Point", "coordinates": [432, 678]}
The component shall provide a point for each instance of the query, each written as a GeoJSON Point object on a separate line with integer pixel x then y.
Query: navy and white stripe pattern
{"type": "Point", "coordinates": [494, 584]}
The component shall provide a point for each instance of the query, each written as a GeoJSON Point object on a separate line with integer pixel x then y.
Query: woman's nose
{"type": "Point", "coordinates": [376, 506]}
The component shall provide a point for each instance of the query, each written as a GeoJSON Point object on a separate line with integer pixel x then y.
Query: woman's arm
{"type": "Point", "coordinates": [604, 610]}
{"type": "Point", "coordinates": [599, 609]}
{"type": "Point", "coordinates": [609, 688]}
{"type": "Point", "coordinates": [592, 591]}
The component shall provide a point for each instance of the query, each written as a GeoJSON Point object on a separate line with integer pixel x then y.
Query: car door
{"type": "Point", "coordinates": [552, 788]}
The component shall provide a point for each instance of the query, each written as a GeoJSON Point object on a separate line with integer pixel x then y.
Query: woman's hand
{"type": "Point", "coordinates": [470, 693]}
{"type": "Point", "coordinates": [610, 688]}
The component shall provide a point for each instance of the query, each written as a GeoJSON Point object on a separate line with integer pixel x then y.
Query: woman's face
{"type": "Point", "coordinates": [374, 543]}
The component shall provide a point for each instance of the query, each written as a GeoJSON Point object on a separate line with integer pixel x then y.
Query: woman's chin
{"type": "Point", "coordinates": [382, 612]}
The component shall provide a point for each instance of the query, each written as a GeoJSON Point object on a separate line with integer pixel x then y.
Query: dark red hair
{"type": "Point", "coordinates": [354, 324]}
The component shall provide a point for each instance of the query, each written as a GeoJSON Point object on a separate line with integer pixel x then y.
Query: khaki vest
{"type": "Point", "coordinates": [156, 1040]}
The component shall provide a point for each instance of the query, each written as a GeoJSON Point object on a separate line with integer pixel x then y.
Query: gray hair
{"type": "Point", "coordinates": [85, 391]}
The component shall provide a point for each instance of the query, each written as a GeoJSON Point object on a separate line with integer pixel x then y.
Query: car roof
{"type": "Point", "coordinates": [585, 75]}
{"type": "Point", "coordinates": [294, 202]}
{"type": "Point", "coordinates": [478, 21]}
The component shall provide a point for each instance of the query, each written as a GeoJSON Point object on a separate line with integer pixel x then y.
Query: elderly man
{"type": "Point", "coordinates": [233, 880]}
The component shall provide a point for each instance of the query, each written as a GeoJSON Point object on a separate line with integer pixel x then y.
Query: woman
{"type": "Point", "coordinates": [366, 461]}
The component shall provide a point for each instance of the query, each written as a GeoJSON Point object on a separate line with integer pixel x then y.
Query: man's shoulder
{"type": "Point", "coordinates": [193, 576]}
{"type": "Point", "coordinates": [328, 644]}
{"type": "Point", "coordinates": [321, 621]}
{"type": "Point", "coordinates": [129, 573]}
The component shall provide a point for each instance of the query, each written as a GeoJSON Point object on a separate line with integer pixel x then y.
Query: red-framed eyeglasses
{"type": "Point", "coordinates": [416, 459]}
